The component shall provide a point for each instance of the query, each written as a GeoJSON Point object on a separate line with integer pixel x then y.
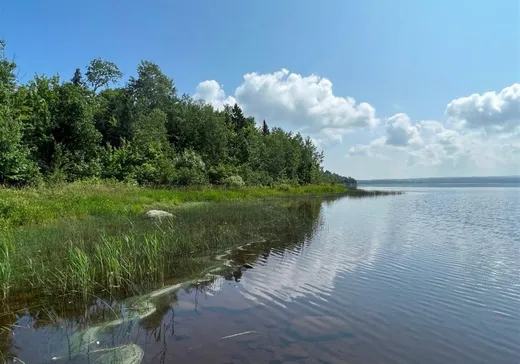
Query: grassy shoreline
{"type": "Point", "coordinates": [40, 206]}
{"type": "Point", "coordinates": [87, 238]}
{"type": "Point", "coordinates": [99, 255]}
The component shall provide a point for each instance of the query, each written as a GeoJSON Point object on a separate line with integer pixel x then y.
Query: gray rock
{"type": "Point", "coordinates": [158, 214]}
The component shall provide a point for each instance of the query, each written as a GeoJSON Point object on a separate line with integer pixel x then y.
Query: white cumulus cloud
{"type": "Point", "coordinates": [481, 133]}
{"type": "Point", "coordinates": [430, 143]}
{"type": "Point", "coordinates": [400, 132]}
{"type": "Point", "coordinates": [211, 92]}
{"type": "Point", "coordinates": [373, 149]}
{"type": "Point", "coordinates": [305, 103]}
{"type": "Point", "coordinates": [491, 111]}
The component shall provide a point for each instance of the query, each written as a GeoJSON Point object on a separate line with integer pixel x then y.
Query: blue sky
{"type": "Point", "coordinates": [409, 57]}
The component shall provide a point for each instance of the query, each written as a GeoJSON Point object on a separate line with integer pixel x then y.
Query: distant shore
{"type": "Point", "coordinates": [489, 181]}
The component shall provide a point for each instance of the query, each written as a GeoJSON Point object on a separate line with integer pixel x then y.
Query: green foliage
{"type": "Point", "coordinates": [113, 116]}
{"type": "Point", "coordinates": [141, 132]}
{"type": "Point", "coordinates": [16, 168]}
{"type": "Point", "coordinates": [191, 160]}
{"type": "Point", "coordinates": [38, 101]}
{"type": "Point", "coordinates": [101, 73]}
{"type": "Point", "coordinates": [233, 182]}
{"type": "Point", "coordinates": [349, 182]}
{"type": "Point", "coordinates": [118, 163]}
{"type": "Point", "coordinates": [7, 76]}
{"type": "Point", "coordinates": [191, 169]}
{"type": "Point", "coordinates": [256, 177]}
{"type": "Point", "coordinates": [152, 88]}
{"type": "Point", "coordinates": [220, 172]}
{"type": "Point", "coordinates": [150, 136]}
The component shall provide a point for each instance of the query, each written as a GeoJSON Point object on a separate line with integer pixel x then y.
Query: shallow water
{"type": "Point", "coordinates": [432, 276]}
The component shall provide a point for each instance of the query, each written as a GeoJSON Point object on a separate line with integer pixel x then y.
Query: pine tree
{"type": "Point", "coordinates": [238, 118]}
{"type": "Point", "coordinates": [265, 129]}
{"type": "Point", "coordinates": [77, 79]}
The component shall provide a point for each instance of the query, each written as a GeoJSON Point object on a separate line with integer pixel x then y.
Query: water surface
{"type": "Point", "coordinates": [432, 276]}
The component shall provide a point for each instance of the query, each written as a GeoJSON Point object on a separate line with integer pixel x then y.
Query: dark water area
{"type": "Point", "coordinates": [431, 276]}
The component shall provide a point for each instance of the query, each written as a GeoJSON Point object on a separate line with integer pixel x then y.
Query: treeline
{"type": "Point", "coordinates": [348, 181]}
{"type": "Point", "coordinates": [53, 130]}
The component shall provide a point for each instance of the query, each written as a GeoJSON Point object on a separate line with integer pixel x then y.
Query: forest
{"type": "Point", "coordinates": [87, 125]}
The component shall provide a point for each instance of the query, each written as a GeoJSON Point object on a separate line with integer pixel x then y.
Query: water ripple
{"type": "Point", "coordinates": [424, 278]}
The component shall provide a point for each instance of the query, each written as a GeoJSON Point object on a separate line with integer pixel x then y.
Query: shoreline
{"type": "Point", "coordinates": [82, 239]}
{"type": "Point", "coordinates": [77, 200]}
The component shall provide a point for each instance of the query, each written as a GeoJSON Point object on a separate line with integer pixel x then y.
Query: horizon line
{"type": "Point", "coordinates": [432, 178]}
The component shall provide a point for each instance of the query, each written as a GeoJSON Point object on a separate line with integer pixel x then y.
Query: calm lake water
{"type": "Point", "coordinates": [432, 276]}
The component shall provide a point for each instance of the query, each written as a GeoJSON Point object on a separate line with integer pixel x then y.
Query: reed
{"type": "Point", "coordinates": [86, 238]}
{"type": "Point", "coordinates": [5, 267]}
{"type": "Point", "coordinates": [113, 256]}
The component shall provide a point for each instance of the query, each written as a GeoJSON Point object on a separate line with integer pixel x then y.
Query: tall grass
{"type": "Point", "coordinates": [79, 274]}
{"type": "Point", "coordinates": [113, 256]}
{"type": "Point", "coordinates": [5, 267]}
{"type": "Point", "coordinates": [130, 260]}
{"type": "Point", "coordinates": [110, 257]}
{"type": "Point", "coordinates": [86, 237]}
{"type": "Point", "coordinates": [46, 205]}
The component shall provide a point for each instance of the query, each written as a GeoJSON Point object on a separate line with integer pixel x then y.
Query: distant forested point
{"type": "Point", "coordinates": [348, 181]}
{"type": "Point", "coordinates": [84, 126]}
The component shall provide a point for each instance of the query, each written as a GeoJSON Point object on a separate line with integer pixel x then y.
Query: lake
{"type": "Point", "coordinates": [431, 276]}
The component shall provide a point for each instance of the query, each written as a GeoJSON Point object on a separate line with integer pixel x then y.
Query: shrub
{"type": "Point", "coordinates": [146, 174]}
{"type": "Point", "coordinates": [217, 174]}
{"type": "Point", "coordinates": [191, 176]}
{"type": "Point", "coordinates": [119, 162]}
{"type": "Point", "coordinates": [191, 169]}
{"type": "Point", "coordinates": [233, 182]}
{"type": "Point", "coordinates": [256, 178]}
{"type": "Point", "coordinates": [190, 159]}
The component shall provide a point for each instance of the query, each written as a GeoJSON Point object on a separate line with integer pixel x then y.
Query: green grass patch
{"type": "Point", "coordinates": [84, 238]}
{"type": "Point", "coordinates": [40, 206]}
{"type": "Point", "coordinates": [123, 255]}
